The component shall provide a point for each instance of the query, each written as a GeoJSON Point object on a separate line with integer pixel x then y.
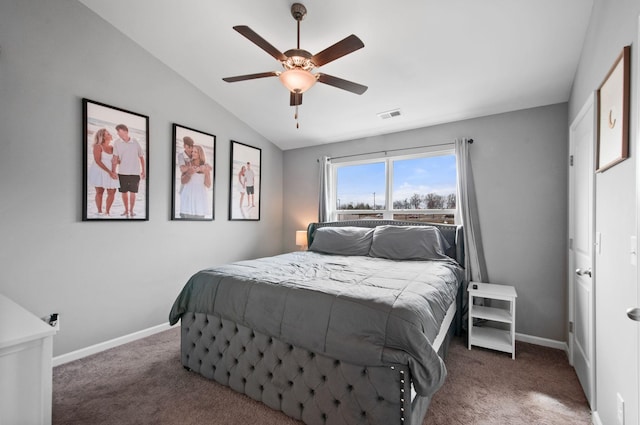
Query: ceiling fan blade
{"type": "Point", "coordinates": [250, 76]}
{"type": "Point", "coordinates": [338, 50]}
{"type": "Point", "coordinates": [295, 99]}
{"type": "Point", "coordinates": [260, 42]}
{"type": "Point", "coordinates": [342, 84]}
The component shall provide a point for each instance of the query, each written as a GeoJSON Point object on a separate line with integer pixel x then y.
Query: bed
{"type": "Point", "coordinates": [353, 330]}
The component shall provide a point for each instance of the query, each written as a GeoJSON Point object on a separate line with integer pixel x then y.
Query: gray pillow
{"type": "Point", "coordinates": [342, 240]}
{"type": "Point", "coordinates": [408, 243]}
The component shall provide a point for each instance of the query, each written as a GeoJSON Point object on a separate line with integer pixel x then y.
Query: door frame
{"type": "Point", "coordinates": [589, 104]}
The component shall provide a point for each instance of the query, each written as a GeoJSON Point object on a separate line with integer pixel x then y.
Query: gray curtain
{"type": "Point", "coordinates": [325, 187]}
{"type": "Point", "coordinates": [475, 266]}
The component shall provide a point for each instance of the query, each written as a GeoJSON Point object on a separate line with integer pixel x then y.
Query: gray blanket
{"type": "Point", "coordinates": [362, 310]}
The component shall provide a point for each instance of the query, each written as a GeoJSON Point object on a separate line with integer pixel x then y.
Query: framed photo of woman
{"type": "Point", "coordinates": [245, 182]}
{"type": "Point", "coordinates": [115, 146]}
{"type": "Point", "coordinates": [192, 197]}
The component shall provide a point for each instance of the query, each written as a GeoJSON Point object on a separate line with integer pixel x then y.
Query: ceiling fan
{"type": "Point", "coordinates": [298, 63]}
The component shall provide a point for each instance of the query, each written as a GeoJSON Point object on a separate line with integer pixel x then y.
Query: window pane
{"type": "Point", "coordinates": [363, 216]}
{"type": "Point", "coordinates": [361, 187]}
{"type": "Point", "coordinates": [428, 218]}
{"type": "Point", "coordinates": [424, 183]}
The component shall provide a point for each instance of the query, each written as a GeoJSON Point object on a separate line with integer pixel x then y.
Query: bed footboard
{"type": "Point", "coordinates": [304, 385]}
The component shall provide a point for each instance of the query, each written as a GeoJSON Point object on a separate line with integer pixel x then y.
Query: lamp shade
{"type": "Point", "coordinates": [297, 80]}
{"type": "Point", "coordinates": [301, 237]}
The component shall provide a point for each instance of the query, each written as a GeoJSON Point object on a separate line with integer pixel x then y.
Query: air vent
{"type": "Point", "coordinates": [389, 114]}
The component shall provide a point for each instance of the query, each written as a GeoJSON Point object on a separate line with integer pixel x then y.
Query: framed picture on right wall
{"type": "Point", "coordinates": [613, 114]}
{"type": "Point", "coordinates": [245, 182]}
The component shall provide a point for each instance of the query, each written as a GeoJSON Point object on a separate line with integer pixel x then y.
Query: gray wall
{"type": "Point", "coordinates": [107, 279]}
{"type": "Point", "coordinates": [519, 160]}
{"type": "Point", "coordinates": [613, 25]}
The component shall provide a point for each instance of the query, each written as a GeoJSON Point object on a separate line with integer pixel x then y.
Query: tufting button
{"type": "Point", "coordinates": [300, 369]}
{"type": "Point", "coordinates": [380, 398]}
{"type": "Point", "coordinates": [312, 391]}
{"type": "Point", "coordinates": [336, 402]}
{"type": "Point", "coordinates": [291, 383]}
{"type": "Point", "coordinates": [261, 387]}
{"type": "Point", "coordinates": [336, 363]}
{"type": "Point", "coordinates": [364, 371]}
{"type": "Point", "coordinates": [363, 414]}
{"type": "Point", "coordinates": [349, 388]}
{"type": "Point", "coordinates": [252, 367]}
{"type": "Point", "coordinates": [324, 378]}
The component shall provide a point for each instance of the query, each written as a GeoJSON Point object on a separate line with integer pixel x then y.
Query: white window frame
{"type": "Point", "coordinates": [389, 211]}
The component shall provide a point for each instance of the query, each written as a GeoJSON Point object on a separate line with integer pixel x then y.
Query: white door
{"type": "Point", "coordinates": [581, 232]}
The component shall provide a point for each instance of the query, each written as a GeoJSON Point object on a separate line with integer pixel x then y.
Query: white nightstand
{"type": "Point", "coordinates": [488, 336]}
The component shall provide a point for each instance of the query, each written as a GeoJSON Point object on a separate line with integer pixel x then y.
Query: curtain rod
{"type": "Point", "coordinates": [390, 150]}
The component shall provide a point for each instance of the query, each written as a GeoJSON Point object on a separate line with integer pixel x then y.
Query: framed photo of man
{"type": "Point", "coordinates": [245, 182]}
{"type": "Point", "coordinates": [192, 197]}
{"type": "Point", "coordinates": [115, 146]}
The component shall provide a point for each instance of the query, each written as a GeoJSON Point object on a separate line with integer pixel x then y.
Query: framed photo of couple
{"type": "Point", "coordinates": [115, 147]}
{"type": "Point", "coordinates": [192, 197]}
{"type": "Point", "coordinates": [244, 182]}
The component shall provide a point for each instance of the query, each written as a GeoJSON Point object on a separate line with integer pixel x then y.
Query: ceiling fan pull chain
{"type": "Point", "coordinates": [295, 116]}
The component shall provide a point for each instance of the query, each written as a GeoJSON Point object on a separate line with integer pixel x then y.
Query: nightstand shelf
{"type": "Point", "coordinates": [490, 335]}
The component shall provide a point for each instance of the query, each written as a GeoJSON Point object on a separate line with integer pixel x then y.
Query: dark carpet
{"type": "Point", "coordinates": [143, 382]}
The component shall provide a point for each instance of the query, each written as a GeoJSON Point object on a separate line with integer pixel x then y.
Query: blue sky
{"type": "Point", "coordinates": [434, 174]}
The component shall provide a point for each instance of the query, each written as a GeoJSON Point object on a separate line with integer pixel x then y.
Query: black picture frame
{"type": "Point", "coordinates": [245, 200]}
{"type": "Point", "coordinates": [193, 185]}
{"type": "Point", "coordinates": [103, 129]}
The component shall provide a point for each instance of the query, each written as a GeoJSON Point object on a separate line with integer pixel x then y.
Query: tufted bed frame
{"type": "Point", "coordinates": [309, 386]}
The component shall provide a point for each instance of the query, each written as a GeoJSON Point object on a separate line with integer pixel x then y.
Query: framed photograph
{"type": "Point", "coordinates": [613, 114]}
{"type": "Point", "coordinates": [192, 197]}
{"type": "Point", "coordinates": [245, 182]}
{"type": "Point", "coordinates": [115, 146]}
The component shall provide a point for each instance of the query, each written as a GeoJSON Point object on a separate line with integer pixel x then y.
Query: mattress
{"type": "Point", "coordinates": [359, 309]}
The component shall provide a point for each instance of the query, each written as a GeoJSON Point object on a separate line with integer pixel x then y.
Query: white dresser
{"type": "Point", "coordinates": [26, 350]}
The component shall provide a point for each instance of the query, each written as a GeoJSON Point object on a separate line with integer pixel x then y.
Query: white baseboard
{"type": "Point", "coordinates": [595, 418]}
{"type": "Point", "coordinates": [545, 342]}
{"type": "Point", "coordinates": [102, 346]}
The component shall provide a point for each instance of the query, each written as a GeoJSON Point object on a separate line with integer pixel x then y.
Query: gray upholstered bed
{"type": "Point", "coordinates": [348, 332]}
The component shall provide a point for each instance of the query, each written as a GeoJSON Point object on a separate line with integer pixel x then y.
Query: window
{"type": "Point", "coordinates": [416, 188]}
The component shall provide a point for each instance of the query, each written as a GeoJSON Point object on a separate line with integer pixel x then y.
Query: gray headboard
{"type": "Point", "coordinates": [451, 232]}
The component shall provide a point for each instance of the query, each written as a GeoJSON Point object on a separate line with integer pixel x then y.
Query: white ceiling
{"type": "Point", "coordinates": [437, 61]}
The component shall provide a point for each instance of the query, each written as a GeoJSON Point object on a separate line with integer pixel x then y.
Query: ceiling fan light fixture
{"type": "Point", "coordinates": [297, 80]}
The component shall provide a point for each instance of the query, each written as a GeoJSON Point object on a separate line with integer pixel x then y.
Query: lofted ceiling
{"type": "Point", "coordinates": [435, 61]}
